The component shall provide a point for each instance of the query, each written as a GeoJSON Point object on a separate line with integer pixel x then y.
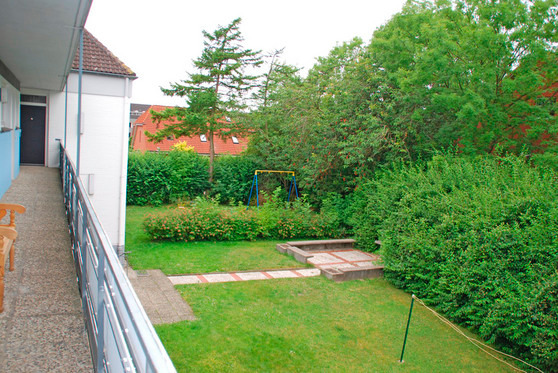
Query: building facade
{"type": "Point", "coordinates": [43, 105]}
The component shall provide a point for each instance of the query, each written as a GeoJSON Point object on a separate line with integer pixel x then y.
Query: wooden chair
{"type": "Point", "coordinates": [8, 235]}
{"type": "Point", "coordinates": [12, 209]}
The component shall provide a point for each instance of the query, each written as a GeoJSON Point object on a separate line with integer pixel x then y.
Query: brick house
{"type": "Point", "coordinates": [232, 145]}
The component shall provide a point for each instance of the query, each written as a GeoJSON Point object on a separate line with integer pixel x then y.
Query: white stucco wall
{"type": "Point", "coordinates": [104, 142]}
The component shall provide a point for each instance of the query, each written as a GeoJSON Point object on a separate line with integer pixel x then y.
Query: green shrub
{"type": "Point", "coordinates": [202, 224]}
{"type": "Point", "coordinates": [206, 220]}
{"type": "Point", "coordinates": [233, 177]}
{"type": "Point", "coordinates": [476, 237]}
{"type": "Point", "coordinates": [158, 178]}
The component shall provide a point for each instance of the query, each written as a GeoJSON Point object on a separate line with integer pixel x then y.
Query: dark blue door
{"type": "Point", "coordinates": [33, 126]}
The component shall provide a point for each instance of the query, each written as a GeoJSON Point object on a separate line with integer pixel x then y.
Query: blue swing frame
{"type": "Point", "coordinates": [255, 182]}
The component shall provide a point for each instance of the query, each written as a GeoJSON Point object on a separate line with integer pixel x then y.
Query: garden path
{"type": "Point", "coordinates": [164, 305]}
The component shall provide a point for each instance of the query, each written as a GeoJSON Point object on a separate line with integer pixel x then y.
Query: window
{"type": "Point", "coordinates": [235, 140]}
{"type": "Point", "coordinates": [170, 138]}
{"type": "Point", "coordinates": [203, 138]}
{"type": "Point", "coordinates": [33, 99]}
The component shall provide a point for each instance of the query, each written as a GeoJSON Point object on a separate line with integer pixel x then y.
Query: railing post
{"type": "Point", "coordinates": [100, 312]}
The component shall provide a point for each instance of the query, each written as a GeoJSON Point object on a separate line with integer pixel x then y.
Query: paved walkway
{"type": "Point", "coordinates": [42, 327]}
{"type": "Point", "coordinates": [163, 304]}
{"type": "Point", "coordinates": [243, 276]}
{"type": "Point", "coordinates": [160, 300]}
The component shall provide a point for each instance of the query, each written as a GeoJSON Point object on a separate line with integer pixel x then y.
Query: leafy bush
{"type": "Point", "coordinates": [206, 220]}
{"type": "Point", "coordinates": [203, 223]}
{"type": "Point", "coordinates": [157, 178]}
{"type": "Point", "coordinates": [476, 237]}
{"type": "Point", "coordinates": [232, 177]}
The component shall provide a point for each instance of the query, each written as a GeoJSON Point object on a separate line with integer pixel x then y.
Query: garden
{"type": "Point", "coordinates": [299, 324]}
{"type": "Point", "coordinates": [437, 139]}
{"type": "Point", "coordinates": [480, 249]}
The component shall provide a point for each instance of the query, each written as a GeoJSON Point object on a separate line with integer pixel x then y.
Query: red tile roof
{"type": "Point", "coordinates": [145, 123]}
{"type": "Point", "coordinates": [97, 58]}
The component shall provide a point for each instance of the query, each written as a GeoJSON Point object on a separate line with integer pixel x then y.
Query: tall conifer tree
{"type": "Point", "coordinates": [214, 92]}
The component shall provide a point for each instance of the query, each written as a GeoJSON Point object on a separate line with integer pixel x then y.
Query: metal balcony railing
{"type": "Point", "coordinates": [121, 336]}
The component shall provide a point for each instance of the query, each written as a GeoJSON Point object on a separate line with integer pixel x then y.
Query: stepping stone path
{"type": "Point", "coordinates": [243, 276]}
{"type": "Point", "coordinates": [335, 259]}
{"type": "Point", "coordinates": [327, 260]}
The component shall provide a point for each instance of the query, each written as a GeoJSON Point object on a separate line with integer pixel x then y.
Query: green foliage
{"type": "Point", "coordinates": [337, 141]}
{"type": "Point", "coordinates": [206, 220]}
{"type": "Point", "coordinates": [159, 178]}
{"type": "Point", "coordinates": [214, 92]}
{"type": "Point", "coordinates": [477, 238]}
{"type": "Point", "coordinates": [440, 74]}
{"type": "Point", "coordinates": [203, 222]}
{"type": "Point", "coordinates": [233, 177]}
{"type": "Point", "coordinates": [196, 257]}
{"type": "Point", "coordinates": [468, 72]}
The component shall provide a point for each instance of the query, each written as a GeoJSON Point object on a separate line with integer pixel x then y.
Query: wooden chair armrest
{"type": "Point", "coordinates": [12, 208]}
{"type": "Point", "coordinates": [8, 232]}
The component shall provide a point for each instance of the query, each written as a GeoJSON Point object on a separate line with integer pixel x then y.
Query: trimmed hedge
{"type": "Point", "coordinates": [478, 239]}
{"type": "Point", "coordinates": [167, 177]}
{"type": "Point", "coordinates": [160, 178]}
{"type": "Point", "coordinates": [233, 177]}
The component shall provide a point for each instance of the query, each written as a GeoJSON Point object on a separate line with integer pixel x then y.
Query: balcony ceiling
{"type": "Point", "coordinates": [38, 39]}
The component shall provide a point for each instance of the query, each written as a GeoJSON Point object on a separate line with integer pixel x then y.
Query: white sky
{"type": "Point", "coordinates": [159, 39]}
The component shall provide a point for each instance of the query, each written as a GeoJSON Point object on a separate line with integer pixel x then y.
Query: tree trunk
{"type": "Point", "coordinates": [211, 155]}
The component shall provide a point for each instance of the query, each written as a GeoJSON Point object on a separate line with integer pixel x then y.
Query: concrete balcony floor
{"type": "Point", "coordinates": [42, 327]}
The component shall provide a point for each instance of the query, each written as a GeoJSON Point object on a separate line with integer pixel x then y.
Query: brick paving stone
{"type": "Point", "coordinates": [341, 265]}
{"type": "Point", "coordinates": [364, 264]}
{"type": "Point", "coordinates": [352, 256]}
{"type": "Point", "coordinates": [184, 280]}
{"type": "Point", "coordinates": [282, 274]}
{"type": "Point", "coordinates": [247, 276]}
{"type": "Point", "coordinates": [219, 277]}
{"type": "Point", "coordinates": [310, 272]}
{"type": "Point", "coordinates": [162, 303]}
{"type": "Point", "coordinates": [323, 258]}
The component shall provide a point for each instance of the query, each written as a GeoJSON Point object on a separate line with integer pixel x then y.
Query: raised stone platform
{"type": "Point", "coordinates": [336, 259]}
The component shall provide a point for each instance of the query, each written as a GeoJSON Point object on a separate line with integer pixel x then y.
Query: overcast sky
{"type": "Point", "coordinates": [159, 39]}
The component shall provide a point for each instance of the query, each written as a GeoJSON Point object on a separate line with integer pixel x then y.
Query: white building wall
{"type": "Point", "coordinates": [103, 162]}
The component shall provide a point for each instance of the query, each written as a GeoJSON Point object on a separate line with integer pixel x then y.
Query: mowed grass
{"type": "Point", "coordinates": [314, 325]}
{"type": "Point", "coordinates": [197, 257]}
{"type": "Point", "coordinates": [293, 325]}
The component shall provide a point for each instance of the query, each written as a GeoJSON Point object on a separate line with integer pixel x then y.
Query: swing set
{"type": "Point", "coordinates": [255, 182]}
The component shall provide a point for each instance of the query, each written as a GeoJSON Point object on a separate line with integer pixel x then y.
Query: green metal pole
{"type": "Point", "coordinates": [407, 330]}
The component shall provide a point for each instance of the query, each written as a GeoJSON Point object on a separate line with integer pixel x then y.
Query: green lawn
{"type": "Point", "coordinates": [313, 325]}
{"type": "Point", "coordinates": [293, 325]}
{"type": "Point", "coordinates": [197, 257]}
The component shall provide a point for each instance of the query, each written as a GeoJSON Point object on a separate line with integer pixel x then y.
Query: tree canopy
{"type": "Point", "coordinates": [476, 75]}
{"type": "Point", "coordinates": [214, 92]}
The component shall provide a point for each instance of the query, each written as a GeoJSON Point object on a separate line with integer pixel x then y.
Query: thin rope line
{"type": "Point", "coordinates": [476, 342]}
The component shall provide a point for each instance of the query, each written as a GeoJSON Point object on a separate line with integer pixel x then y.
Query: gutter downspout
{"type": "Point", "coordinates": [123, 176]}
{"type": "Point", "coordinates": [65, 113]}
{"type": "Point", "coordinates": [79, 100]}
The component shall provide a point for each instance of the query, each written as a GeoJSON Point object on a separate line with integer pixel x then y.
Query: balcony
{"type": "Point", "coordinates": [68, 305]}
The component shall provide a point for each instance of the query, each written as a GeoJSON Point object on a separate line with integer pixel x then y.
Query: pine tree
{"type": "Point", "coordinates": [214, 92]}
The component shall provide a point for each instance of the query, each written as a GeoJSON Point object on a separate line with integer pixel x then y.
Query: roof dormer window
{"type": "Point", "coordinates": [203, 138]}
{"type": "Point", "coordinates": [235, 140]}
